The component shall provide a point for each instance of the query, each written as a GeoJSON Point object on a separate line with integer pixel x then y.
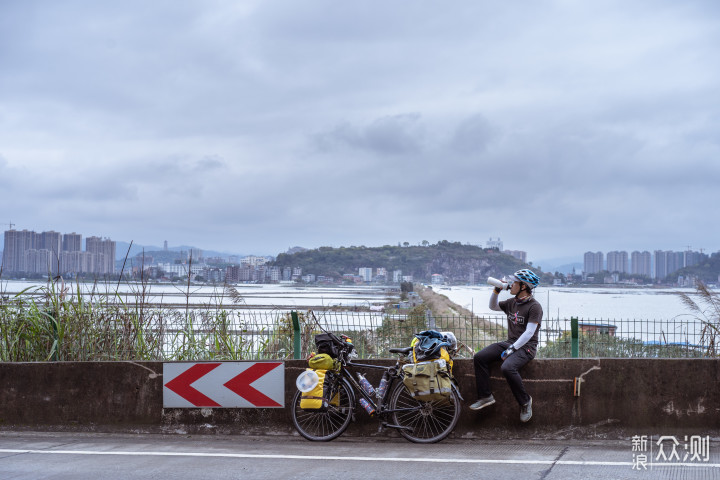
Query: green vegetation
{"type": "Point", "coordinates": [455, 261]}
{"type": "Point", "coordinates": [601, 345]}
{"type": "Point", "coordinates": [707, 311]}
{"type": "Point", "coordinates": [706, 272]}
{"type": "Point", "coordinates": [66, 323]}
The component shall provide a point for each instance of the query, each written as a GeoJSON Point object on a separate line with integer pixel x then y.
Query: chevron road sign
{"type": "Point", "coordinates": [224, 385]}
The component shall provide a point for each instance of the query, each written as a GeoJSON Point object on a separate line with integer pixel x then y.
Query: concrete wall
{"type": "Point", "coordinates": [618, 398]}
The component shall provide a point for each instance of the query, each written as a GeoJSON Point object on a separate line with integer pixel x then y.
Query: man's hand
{"type": "Point", "coordinates": [507, 352]}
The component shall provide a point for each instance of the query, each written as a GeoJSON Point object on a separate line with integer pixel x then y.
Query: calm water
{"type": "Point", "coordinates": [271, 296]}
{"type": "Point", "coordinates": [652, 315]}
{"type": "Point", "coordinates": [588, 303]}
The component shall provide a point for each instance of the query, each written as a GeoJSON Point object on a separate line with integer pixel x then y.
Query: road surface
{"type": "Point", "coordinates": [77, 456]}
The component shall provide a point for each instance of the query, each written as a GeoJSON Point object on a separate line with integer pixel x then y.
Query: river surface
{"type": "Point", "coordinates": [595, 303]}
{"type": "Point", "coordinates": [649, 314]}
{"type": "Point", "coordinates": [269, 296]}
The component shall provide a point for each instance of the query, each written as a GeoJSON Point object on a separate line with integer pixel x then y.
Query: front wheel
{"type": "Point", "coordinates": [326, 424]}
{"type": "Point", "coordinates": [424, 422]}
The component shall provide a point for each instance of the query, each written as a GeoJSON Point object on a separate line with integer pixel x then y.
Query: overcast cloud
{"type": "Point", "coordinates": [251, 127]}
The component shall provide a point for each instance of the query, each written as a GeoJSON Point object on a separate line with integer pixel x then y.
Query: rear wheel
{"type": "Point", "coordinates": [327, 424]}
{"type": "Point", "coordinates": [425, 422]}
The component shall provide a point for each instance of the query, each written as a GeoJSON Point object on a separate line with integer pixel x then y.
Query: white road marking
{"type": "Point", "coordinates": [360, 459]}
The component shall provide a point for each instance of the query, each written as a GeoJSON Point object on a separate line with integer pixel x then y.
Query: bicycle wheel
{"type": "Point", "coordinates": [324, 425]}
{"type": "Point", "coordinates": [425, 422]}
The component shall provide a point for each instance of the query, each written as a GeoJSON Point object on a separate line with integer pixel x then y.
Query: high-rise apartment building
{"type": "Point", "coordinates": [51, 241]}
{"type": "Point", "coordinates": [104, 248]}
{"type": "Point", "coordinates": [17, 242]}
{"type": "Point", "coordinates": [641, 263]}
{"type": "Point", "coordinates": [72, 242]}
{"type": "Point", "coordinates": [593, 262]}
{"type": "Point", "coordinates": [617, 262]}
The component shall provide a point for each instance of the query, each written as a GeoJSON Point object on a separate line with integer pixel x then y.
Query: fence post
{"type": "Point", "coordinates": [429, 320]}
{"type": "Point", "coordinates": [575, 344]}
{"type": "Point", "coordinates": [296, 334]}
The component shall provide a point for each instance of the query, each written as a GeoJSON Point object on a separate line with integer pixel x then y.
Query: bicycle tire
{"type": "Point", "coordinates": [327, 424]}
{"type": "Point", "coordinates": [425, 422]}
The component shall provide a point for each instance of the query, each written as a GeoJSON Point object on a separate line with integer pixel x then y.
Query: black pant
{"type": "Point", "coordinates": [510, 369]}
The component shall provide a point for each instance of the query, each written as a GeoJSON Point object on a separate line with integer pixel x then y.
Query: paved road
{"type": "Point", "coordinates": [37, 455]}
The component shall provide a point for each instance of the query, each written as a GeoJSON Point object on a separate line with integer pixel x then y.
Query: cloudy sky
{"type": "Point", "coordinates": [251, 127]}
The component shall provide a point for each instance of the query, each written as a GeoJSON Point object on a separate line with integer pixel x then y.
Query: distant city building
{"type": "Point", "coordinates": [52, 253]}
{"type": "Point", "coordinates": [641, 263]}
{"type": "Point", "coordinates": [617, 262]}
{"type": "Point", "coordinates": [365, 273]}
{"type": "Point", "coordinates": [72, 242]}
{"type": "Point", "coordinates": [494, 244]}
{"type": "Point", "coordinates": [593, 262]}
{"type": "Point", "coordinates": [397, 276]}
{"type": "Point", "coordinates": [165, 247]}
{"type": "Point", "coordinates": [274, 274]}
{"type": "Point", "coordinates": [519, 254]}
{"type": "Point", "coordinates": [381, 272]}
{"type": "Point", "coordinates": [181, 269]}
{"type": "Point", "coordinates": [437, 279]}
{"type": "Point", "coordinates": [254, 260]}
{"type": "Point", "coordinates": [104, 248]}
{"type": "Point", "coordinates": [196, 254]}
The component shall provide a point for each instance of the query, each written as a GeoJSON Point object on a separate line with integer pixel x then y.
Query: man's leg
{"type": "Point", "coordinates": [481, 362]}
{"type": "Point", "coordinates": [510, 369]}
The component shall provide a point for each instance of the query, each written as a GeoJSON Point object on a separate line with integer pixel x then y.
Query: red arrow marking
{"type": "Point", "coordinates": [182, 385]}
{"type": "Point", "coordinates": [240, 384]}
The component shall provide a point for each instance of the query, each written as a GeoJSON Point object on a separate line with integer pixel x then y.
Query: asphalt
{"type": "Point", "coordinates": [57, 456]}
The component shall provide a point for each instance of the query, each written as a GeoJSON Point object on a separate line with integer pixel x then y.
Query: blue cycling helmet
{"type": "Point", "coordinates": [526, 276]}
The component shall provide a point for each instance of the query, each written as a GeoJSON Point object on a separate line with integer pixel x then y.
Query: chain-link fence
{"type": "Point", "coordinates": [76, 331]}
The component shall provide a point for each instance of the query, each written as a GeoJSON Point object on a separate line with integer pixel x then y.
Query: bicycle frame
{"type": "Point", "coordinates": [377, 404]}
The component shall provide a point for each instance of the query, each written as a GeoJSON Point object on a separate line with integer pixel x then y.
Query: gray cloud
{"type": "Point", "coordinates": [254, 126]}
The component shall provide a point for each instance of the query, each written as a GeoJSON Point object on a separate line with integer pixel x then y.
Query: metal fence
{"type": "Point", "coordinates": [28, 333]}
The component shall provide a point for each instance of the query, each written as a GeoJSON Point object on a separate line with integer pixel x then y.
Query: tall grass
{"type": "Point", "coordinates": [78, 322]}
{"type": "Point", "coordinates": [706, 310]}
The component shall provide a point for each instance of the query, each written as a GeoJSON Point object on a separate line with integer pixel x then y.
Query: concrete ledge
{"type": "Point", "coordinates": [618, 398]}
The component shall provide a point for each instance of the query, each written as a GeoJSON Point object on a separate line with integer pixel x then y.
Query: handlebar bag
{"type": "Point", "coordinates": [329, 344]}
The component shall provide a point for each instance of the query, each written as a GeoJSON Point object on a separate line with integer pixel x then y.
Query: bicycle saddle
{"type": "Point", "coordinates": [404, 351]}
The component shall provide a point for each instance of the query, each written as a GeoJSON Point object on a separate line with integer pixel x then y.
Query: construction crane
{"type": "Point", "coordinates": [11, 225]}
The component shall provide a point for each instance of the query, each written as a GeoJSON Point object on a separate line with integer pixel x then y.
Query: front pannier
{"type": "Point", "coordinates": [319, 397]}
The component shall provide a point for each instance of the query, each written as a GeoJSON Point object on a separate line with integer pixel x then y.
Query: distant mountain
{"type": "Point", "coordinates": [560, 264]}
{"type": "Point", "coordinates": [455, 261]}
{"type": "Point", "coordinates": [121, 249]}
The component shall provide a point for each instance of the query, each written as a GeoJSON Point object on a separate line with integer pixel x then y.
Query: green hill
{"type": "Point", "coordinates": [708, 270]}
{"type": "Point", "coordinates": [455, 261]}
